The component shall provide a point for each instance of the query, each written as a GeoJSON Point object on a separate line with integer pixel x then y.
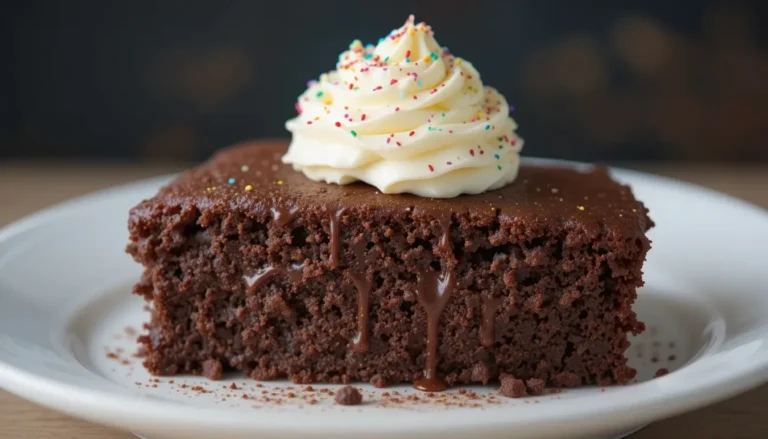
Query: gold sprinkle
{"type": "Point", "coordinates": [458, 61]}
{"type": "Point", "coordinates": [248, 188]}
{"type": "Point", "coordinates": [580, 207]}
{"type": "Point", "coordinates": [279, 182]}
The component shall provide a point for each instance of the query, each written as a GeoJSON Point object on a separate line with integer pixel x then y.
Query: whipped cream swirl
{"type": "Point", "coordinates": [405, 116]}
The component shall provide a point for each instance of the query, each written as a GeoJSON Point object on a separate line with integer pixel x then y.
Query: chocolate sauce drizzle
{"type": "Point", "coordinates": [360, 280]}
{"type": "Point", "coordinates": [487, 332]}
{"type": "Point", "coordinates": [433, 291]}
{"type": "Point", "coordinates": [333, 259]}
{"type": "Point", "coordinates": [284, 215]}
{"type": "Point", "coordinates": [255, 281]}
{"type": "Point", "coordinates": [363, 286]}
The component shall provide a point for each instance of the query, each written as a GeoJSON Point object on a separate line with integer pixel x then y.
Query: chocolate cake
{"type": "Point", "coordinates": [251, 266]}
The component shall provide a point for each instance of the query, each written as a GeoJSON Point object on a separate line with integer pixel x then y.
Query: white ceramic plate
{"type": "Point", "coordinates": [65, 306]}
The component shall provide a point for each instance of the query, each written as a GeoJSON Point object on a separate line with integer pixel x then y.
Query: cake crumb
{"type": "Point", "coordinates": [378, 381]}
{"type": "Point", "coordinates": [348, 395]}
{"type": "Point", "coordinates": [535, 386]}
{"type": "Point", "coordinates": [661, 372]}
{"type": "Point", "coordinates": [511, 387]}
{"type": "Point", "coordinates": [481, 373]}
{"type": "Point", "coordinates": [212, 369]}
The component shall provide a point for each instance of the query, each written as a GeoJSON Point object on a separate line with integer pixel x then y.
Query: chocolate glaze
{"type": "Point", "coordinates": [551, 194]}
{"type": "Point", "coordinates": [444, 218]}
{"type": "Point", "coordinates": [430, 384]}
{"type": "Point", "coordinates": [255, 281]}
{"type": "Point", "coordinates": [433, 291]}
{"type": "Point", "coordinates": [363, 286]}
{"type": "Point", "coordinates": [333, 259]}
{"type": "Point", "coordinates": [490, 305]}
{"type": "Point", "coordinates": [284, 215]}
{"type": "Point", "coordinates": [360, 280]}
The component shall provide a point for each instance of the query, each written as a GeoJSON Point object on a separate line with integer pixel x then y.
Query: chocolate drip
{"type": "Point", "coordinates": [433, 291]}
{"type": "Point", "coordinates": [284, 215]}
{"type": "Point", "coordinates": [490, 305]}
{"type": "Point", "coordinates": [363, 286]}
{"type": "Point", "coordinates": [333, 260]}
{"type": "Point", "coordinates": [444, 219]}
{"type": "Point", "coordinates": [255, 281]}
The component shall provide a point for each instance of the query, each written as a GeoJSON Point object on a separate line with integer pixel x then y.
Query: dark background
{"type": "Point", "coordinates": [592, 80]}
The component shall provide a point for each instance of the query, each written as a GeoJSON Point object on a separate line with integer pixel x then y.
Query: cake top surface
{"type": "Point", "coordinates": [250, 177]}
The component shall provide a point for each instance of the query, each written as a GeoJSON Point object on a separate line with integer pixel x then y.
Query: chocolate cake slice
{"type": "Point", "coordinates": [251, 266]}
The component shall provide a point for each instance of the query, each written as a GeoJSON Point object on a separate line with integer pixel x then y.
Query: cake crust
{"type": "Point", "coordinates": [252, 265]}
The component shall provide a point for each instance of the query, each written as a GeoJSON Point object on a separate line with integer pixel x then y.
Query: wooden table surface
{"type": "Point", "coordinates": [26, 187]}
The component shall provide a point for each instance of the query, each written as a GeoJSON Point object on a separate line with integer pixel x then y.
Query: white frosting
{"type": "Point", "coordinates": [405, 116]}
